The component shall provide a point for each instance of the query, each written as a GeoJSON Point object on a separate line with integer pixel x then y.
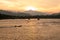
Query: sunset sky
{"type": "Point", "coordinates": [40, 5]}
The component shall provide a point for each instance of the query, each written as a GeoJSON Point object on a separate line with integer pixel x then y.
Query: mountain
{"type": "Point", "coordinates": [26, 14]}
{"type": "Point", "coordinates": [13, 13]}
{"type": "Point", "coordinates": [56, 13]}
{"type": "Point", "coordinates": [35, 12]}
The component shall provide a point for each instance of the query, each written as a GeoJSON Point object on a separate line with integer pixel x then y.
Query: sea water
{"type": "Point", "coordinates": [33, 29]}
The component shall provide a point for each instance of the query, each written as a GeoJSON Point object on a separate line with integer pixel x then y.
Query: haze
{"type": "Point", "coordinates": [41, 5]}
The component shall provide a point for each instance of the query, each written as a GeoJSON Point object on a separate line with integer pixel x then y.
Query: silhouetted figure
{"type": "Point", "coordinates": [28, 18]}
{"type": "Point", "coordinates": [38, 19]}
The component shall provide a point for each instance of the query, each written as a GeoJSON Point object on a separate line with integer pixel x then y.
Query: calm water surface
{"type": "Point", "coordinates": [43, 29]}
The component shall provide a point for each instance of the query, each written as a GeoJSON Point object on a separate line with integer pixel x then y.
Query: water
{"type": "Point", "coordinates": [43, 29]}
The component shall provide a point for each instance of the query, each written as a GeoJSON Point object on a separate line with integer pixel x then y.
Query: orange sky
{"type": "Point", "coordinates": [41, 5]}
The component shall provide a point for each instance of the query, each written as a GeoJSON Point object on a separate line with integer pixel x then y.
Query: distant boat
{"type": "Point", "coordinates": [18, 26]}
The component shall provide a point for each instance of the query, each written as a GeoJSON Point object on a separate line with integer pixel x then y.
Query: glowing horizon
{"type": "Point", "coordinates": [27, 8]}
{"type": "Point", "coordinates": [41, 5]}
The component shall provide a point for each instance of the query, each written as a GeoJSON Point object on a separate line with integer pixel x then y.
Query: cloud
{"type": "Point", "coordinates": [40, 4]}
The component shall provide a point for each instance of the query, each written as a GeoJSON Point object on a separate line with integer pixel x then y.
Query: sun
{"type": "Point", "coordinates": [30, 8]}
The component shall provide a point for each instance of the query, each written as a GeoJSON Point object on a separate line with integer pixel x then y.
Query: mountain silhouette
{"type": "Point", "coordinates": [35, 12]}
{"type": "Point", "coordinates": [13, 13]}
{"type": "Point", "coordinates": [56, 13]}
{"type": "Point", "coordinates": [9, 14]}
{"type": "Point", "coordinates": [26, 15]}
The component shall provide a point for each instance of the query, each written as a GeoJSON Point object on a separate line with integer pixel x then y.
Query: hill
{"type": "Point", "coordinates": [11, 15]}
{"type": "Point", "coordinates": [35, 12]}
{"type": "Point", "coordinates": [26, 15]}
